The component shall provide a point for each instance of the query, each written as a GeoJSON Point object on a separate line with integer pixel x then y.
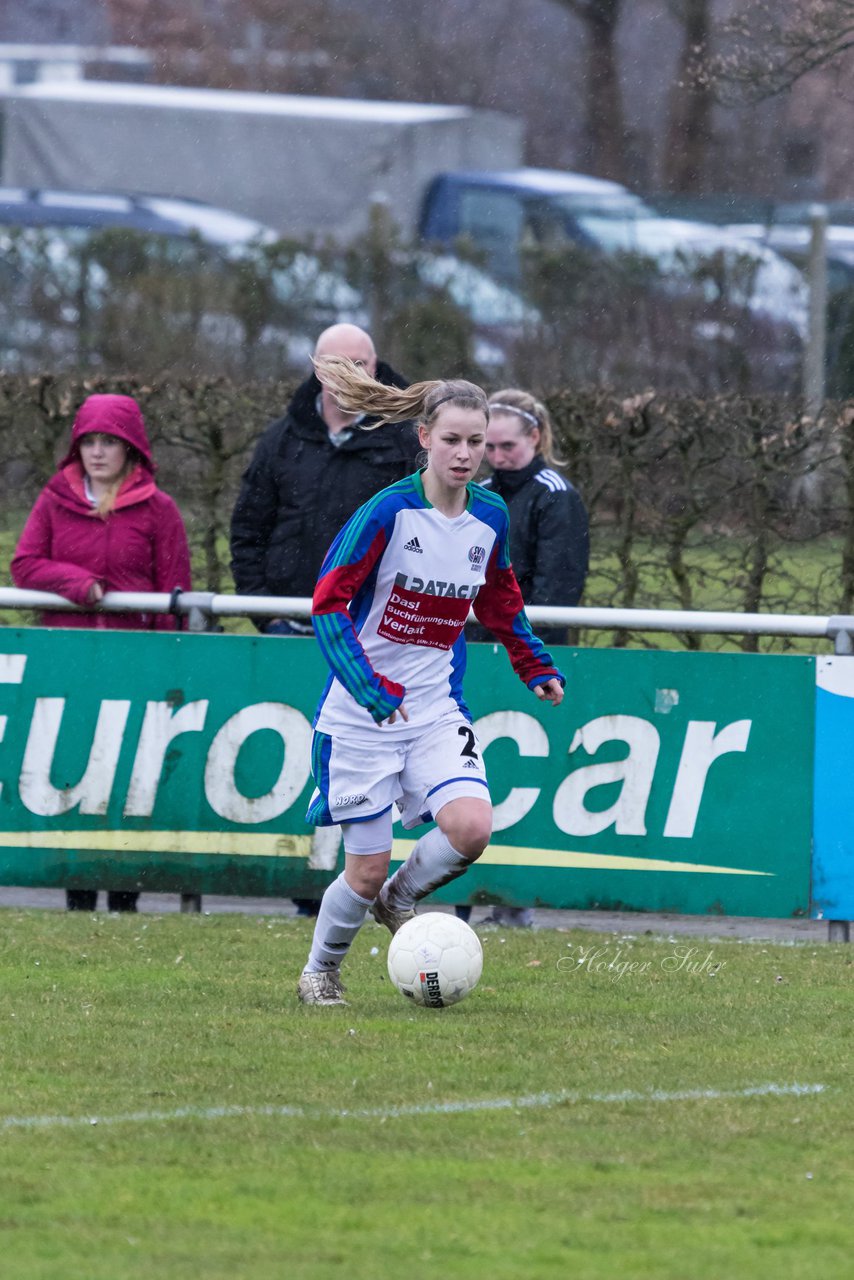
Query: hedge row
{"type": "Point", "coordinates": [728, 502]}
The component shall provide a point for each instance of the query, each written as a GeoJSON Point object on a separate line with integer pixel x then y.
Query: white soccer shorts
{"type": "Point", "coordinates": [357, 779]}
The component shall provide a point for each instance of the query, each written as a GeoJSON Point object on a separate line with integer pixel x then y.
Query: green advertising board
{"type": "Point", "coordinates": [665, 781]}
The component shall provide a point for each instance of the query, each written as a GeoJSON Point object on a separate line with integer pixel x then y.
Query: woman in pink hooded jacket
{"type": "Point", "coordinates": [101, 524]}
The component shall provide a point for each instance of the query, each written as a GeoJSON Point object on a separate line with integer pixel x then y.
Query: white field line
{"type": "Point", "coordinates": [464, 1106]}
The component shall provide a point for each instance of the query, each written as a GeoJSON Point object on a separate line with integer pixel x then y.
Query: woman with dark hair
{"type": "Point", "coordinates": [101, 524]}
{"type": "Point", "coordinates": [389, 611]}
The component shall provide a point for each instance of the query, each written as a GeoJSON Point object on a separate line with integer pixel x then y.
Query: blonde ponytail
{"type": "Point", "coordinates": [357, 392]}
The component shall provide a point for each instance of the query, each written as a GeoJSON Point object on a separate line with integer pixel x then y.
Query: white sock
{"type": "Point", "coordinates": [341, 916]}
{"type": "Point", "coordinates": [433, 862]}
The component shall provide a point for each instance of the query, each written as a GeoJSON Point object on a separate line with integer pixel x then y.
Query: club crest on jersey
{"type": "Point", "coordinates": [477, 555]}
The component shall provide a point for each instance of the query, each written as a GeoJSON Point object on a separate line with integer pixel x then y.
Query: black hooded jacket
{"type": "Point", "coordinates": [549, 535]}
{"type": "Point", "coordinates": [300, 488]}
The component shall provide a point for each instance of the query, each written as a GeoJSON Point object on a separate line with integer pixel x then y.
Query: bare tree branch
{"type": "Point", "coordinates": [771, 46]}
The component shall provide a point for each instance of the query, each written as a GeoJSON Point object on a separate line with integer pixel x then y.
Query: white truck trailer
{"type": "Point", "coordinates": [305, 166]}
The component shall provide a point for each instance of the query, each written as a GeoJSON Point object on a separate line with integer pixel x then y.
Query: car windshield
{"type": "Point", "coordinates": [613, 233]}
{"type": "Point", "coordinates": [624, 205]}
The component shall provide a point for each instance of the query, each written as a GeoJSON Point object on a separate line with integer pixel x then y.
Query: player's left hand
{"type": "Point", "coordinates": [551, 691]}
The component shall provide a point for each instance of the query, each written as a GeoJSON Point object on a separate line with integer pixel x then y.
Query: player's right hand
{"type": "Point", "coordinates": [401, 711]}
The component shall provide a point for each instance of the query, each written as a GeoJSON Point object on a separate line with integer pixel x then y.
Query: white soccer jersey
{"type": "Point", "coordinates": [391, 602]}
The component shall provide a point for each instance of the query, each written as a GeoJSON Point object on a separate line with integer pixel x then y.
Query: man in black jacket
{"type": "Point", "coordinates": [310, 471]}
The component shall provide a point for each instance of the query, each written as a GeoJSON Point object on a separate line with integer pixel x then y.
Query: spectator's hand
{"type": "Point", "coordinates": [96, 594]}
{"type": "Point", "coordinates": [551, 691]}
{"type": "Point", "coordinates": [401, 711]}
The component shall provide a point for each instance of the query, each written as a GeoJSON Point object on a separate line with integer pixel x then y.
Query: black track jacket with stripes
{"type": "Point", "coordinates": [549, 533]}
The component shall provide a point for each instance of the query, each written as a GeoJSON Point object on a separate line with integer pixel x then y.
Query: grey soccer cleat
{"type": "Point", "coordinates": [321, 988]}
{"type": "Point", "coordinates": [384, 912]}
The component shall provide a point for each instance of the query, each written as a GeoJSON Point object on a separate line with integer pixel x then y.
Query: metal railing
{"type": "Point", "coordinates": [202, 608]}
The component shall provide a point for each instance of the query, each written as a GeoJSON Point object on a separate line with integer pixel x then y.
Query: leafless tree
{"type": "Point", "coordinates": [690, 127]}
{"type": "Point", "coordinates": [604, 133]}
{"type": "Point", "coordinates": [774, 43]}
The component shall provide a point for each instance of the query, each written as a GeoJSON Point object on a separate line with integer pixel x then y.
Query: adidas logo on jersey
{"type": "Point", "coordinates": [469, 764]}
{"type": "Point", "coordinates": [413, 545]}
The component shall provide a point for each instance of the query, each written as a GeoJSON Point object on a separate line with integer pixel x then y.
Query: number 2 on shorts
{"type": "Point", "coordinates": [468, 750]}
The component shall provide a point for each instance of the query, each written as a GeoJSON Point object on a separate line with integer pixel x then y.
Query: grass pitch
{"type": "Point", "coordinates": [602, 1106]}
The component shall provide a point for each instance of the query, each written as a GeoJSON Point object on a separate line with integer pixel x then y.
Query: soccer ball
{"type": "Point", "coordinates": [435, 959]}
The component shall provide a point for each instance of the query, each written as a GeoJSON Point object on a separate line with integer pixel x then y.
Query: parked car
{"type": "Point", "coordinates": [750, 274]}
{"type": "Point", "coordinates": [69, 258]}
{"type": "Point", "coordinates": [505, 214]}
{"type": "Point", "coordinates": [788, 232]}
{"type": "Point", "coordinates": [149, 215]}
{"type": "Point", "coordinates": [190, 281]}
{"type": "Point", "coordinates": [500, 213]}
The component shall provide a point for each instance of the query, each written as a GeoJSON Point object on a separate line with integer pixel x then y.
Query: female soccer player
{"type": "Point", "coordinates": [389, 609]}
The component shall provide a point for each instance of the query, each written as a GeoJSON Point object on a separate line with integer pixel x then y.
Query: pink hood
{"type": "Point", "coordinates": [113, 415]}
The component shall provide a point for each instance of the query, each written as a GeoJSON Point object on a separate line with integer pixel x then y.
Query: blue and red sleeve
{"type": "Point", "coordinates": [342, 596]}
{"type": "Point", "coordinates": [500, 607]}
